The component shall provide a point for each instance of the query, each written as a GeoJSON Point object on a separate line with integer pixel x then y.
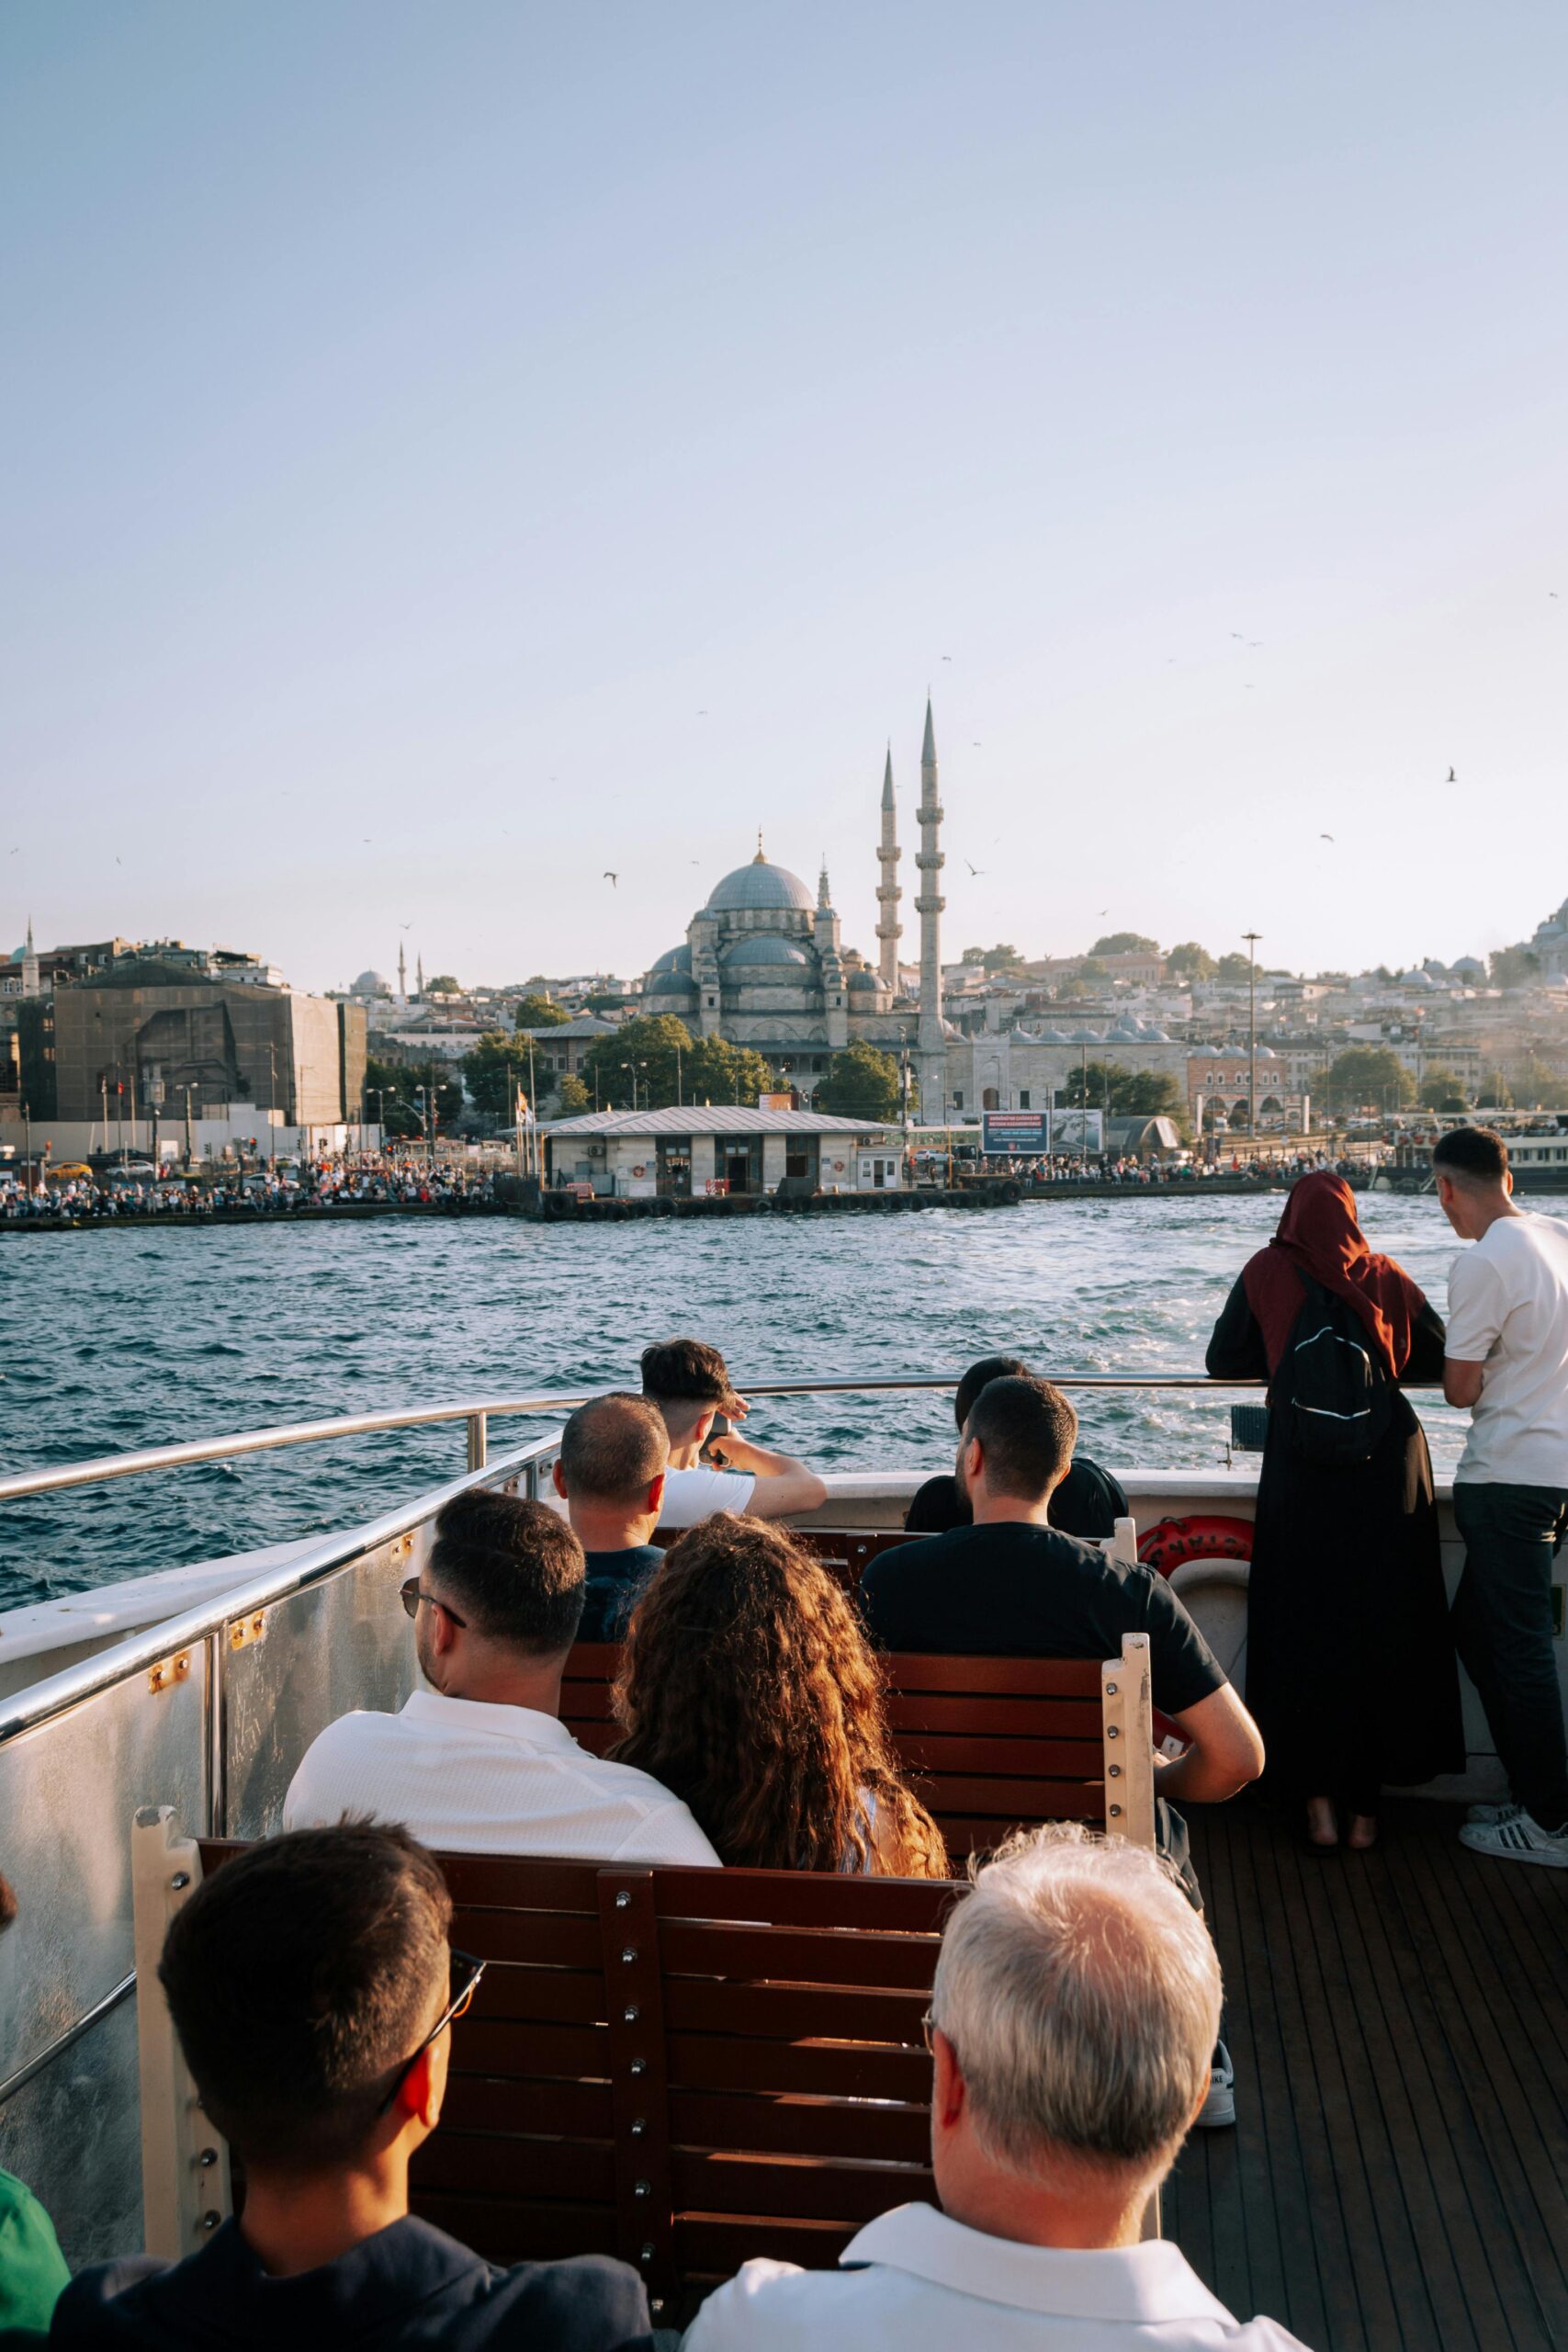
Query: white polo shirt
{"type": "Point", "coordinates": [1508, 1310]}
{"type": "Point", "coordinates": [692, 1496]}
{"type": "Point", "coordinates": [930, 2285]}
{"type": "Point", "coordinates": [468, 1777]}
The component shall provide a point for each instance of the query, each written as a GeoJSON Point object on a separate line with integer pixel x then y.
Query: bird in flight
{"type": "Point", "coordinates": [1105, 911]}
{"type": "Point", "coordinates": [613, 879]}
{"type": "Point", "coordinates": [701, 714]}
{"type": "Point", "coordinates": [947, 657]}
{"type": "Point", "coordinates": [1325, 837]}
{"type": "Point", "coordinates": [978, 745]}
{"type": "Point", "coordinates": [405, 926]}
{"type": "Point", "coordinates": [974, 869]}
{"type": "Point", "coordinates": [1453, 778]}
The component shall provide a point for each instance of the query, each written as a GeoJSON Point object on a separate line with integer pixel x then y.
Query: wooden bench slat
{"type": "Point", "coordinates": [528, 2103]}
{"type": "Point", "coordinates": [987, 1715]}
{"type": "Point", "coordinates": [1049, 1678]}
{"type": "Point", "coordinates": [570, 2052]}
{"type": "Point", "coordinates": [1004, 1799]}
{"type": "Point", "coordinates": [709, 2248]}
{"type": "Point", "coordinates": [805, 1899]}
{"type": "Point", "coordinates": [530, 1938]}
{"type": "Point", "coordinates": [522, 1882]}
{"type": "Point", "coordinates": [804, 2127]}
{"type": "Point", "coordinates": [808, 1956]}
{"type": "Point", "coordinates": [1056, 1759]}
{"type": "Point", "coordinates": [718, 2062]}
{"type": "Point", "coordinates": [804, 2189]}
{"type": "Point", "coordinates": [793, 2012]}
{"type": "Point", "coordinates": [480, 2164]}
{"type": "Point", "coordinates": [536, 1995]}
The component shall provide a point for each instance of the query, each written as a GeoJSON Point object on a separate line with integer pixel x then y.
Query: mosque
{"type": "Point", "coordinates": [763, 965]}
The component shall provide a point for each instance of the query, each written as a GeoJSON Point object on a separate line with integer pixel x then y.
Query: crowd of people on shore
{"type": "Point", "coordinates": [1267, 1167]}
{"type": "Point", "coordinates": [1076, 2025]}
{"type": "Point", "coordinates": [356, 1181]}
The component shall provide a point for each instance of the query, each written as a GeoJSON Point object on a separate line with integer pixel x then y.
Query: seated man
{"type": "Point", "coordinates": [688, 1381]}
{"type": "Point", "coordinates": [613, 1452]}
{"type": "Point", "coordinates": [479, 1763]}
{"type": "Point", "coordinates": [1075, 2007]}
{"type": "Point", "coordinates": [313, 1992]}
{"type": "Point", "coordinates": [1088, 1503]}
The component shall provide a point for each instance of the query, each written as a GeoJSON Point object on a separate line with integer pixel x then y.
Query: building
{"type": "Point", "coordinates": [560, 1050]}
{"type": "Point", "coordinates": [685, 1151]}
{"type": "Point", "coordinates": [763, 965]}
{"type": "Point", "coordinates": [1549, 944]}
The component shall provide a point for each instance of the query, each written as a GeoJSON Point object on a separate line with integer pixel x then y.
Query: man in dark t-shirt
{"type": "Point", "coordinates": [610, 1474]}
{"type": "Point", "coordinates": [1089, 1502]}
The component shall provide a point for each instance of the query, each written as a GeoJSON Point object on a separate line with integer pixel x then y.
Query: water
{"type": "Point", "coordinates": [118, 1340]}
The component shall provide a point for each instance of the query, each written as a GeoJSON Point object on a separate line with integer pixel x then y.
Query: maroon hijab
{"type": "Point", "coordinates": [1319, 1236]}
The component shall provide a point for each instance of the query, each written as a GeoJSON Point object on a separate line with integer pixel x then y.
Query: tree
{"type": "Point", "coordinates": [1441, 1090]}
{"type": "Point", "coordinates": [862, 1082]}
{"type": "Point", "coordinates": [492, 1070]}
{"type": "Point", "coordinates": [1003, 957]}
{"type": "Point", "coordinates": [1232, 969]}
{"type": "Point", "coordinates": [1091, 968]}
{"type": "Point", "coordinates": [720, 1072]}
{"type": "Point", "coordinates": [388, 1098]}
{"type": "Point", "coordinates": [536, 1011]}
{"type": "Point", "coordinates": [1124, 943]}
{"type": "Point", "coordinates": [670, 1065]}
{"type": "Point", "coordinates": [1513, 967]}
{"type": "Point", "coordinates": [1190, 962]}
{"type": "Point", "coordinates": [1369, 1076]}
{"type": "Point", "coordinates": [573, 1097]}
{"type": "Point", "coordinates": [442, 985]}
{"type": "Point", "coordinates": [1538, 1088]}
{"type": "Point", "coordinates": [1126, 1093]}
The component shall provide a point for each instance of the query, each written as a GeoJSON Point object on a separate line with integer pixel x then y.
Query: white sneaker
{"type": "Point", "coordinates": [1488, 1813]}
{"type": "Point", "coordinates": [1219, 2108]}
{"type": "Point", "coordinates": [1518, 1840]}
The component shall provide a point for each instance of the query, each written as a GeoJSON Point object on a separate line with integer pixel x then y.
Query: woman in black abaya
{"type": "Point", "coordinates": [1350, 1669]}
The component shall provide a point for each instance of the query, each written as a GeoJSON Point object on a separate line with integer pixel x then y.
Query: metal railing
{"type": "Point", "coordinates": [479, 1411]}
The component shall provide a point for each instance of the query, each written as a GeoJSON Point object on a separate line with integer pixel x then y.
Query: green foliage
{"type": "Point", "coordinates": [862, 1082]}
{"type": "Point", "coordinates": [1190, 962]}
{"type": "Point", "coordinates": [1003, 957]}
{"type": "Point", "coordinates": [1126, 1093]}
{"type": "Point", "coordinates": [387, 1084]}
{"type": "Point", "coordinates": [1368, 1077]}
{"type": "Point", "coordinates": [573, 1096]}
{"type": "Point", "coordinates": [536, 1011]}
{"type": "Point", "coordinates": [442, 984]}
{"type": "Point", "coordinates": [1513, 967]}
{"type": "Point", "coordinates": [1124, 943]}
{"type": "Point", "coordinates": [671, 1065]}
{"type": "Point", "coordinates": [491, 1070]}
{"type": "Point", "coordinates": [1091, 968]}
{"type": "Point", "coordinates": [603, 1000]}
{"type": "Point", "coordinates": [1232, 969]}
{"type": "Point", "coordinates": [1441, 1090]}
{"type": "Point", "coordinates": [1538, 1088]}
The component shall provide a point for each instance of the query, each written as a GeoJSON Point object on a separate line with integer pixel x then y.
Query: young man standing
{"type": "Point", "coordinates": [689, 1382]}
{"type": "Point", "coordinates": [1506, 1358]}
{"type": "Point", "coordinates": [313, 1992]}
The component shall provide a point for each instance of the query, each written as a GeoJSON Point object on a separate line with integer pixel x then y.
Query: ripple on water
{"type": "Point", "coordinates": [189, 1335]}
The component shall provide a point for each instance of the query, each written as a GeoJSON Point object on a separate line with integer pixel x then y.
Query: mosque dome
{"type": "Point", "coordinates": [763, 947]}
{"type": "Point", "coordinates": [674, 960]}
{"type": "Point", "coordinates": [759, 887]}
{"type": "Point", "coordinates": [371, 984]}
{"type": "Point", "coordinates": [670, 984]}
{"type": "Point", "coordinates": [862, 980]}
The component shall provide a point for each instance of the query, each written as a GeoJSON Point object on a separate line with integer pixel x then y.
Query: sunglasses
{"type": "Point", "coordinates": [411, 1595]}
{"type": "Point", "coordinates": [473, 1968]}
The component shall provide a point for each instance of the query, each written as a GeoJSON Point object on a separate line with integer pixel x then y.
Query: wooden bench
{"type": "Point", "coordinates": [689, 2067]}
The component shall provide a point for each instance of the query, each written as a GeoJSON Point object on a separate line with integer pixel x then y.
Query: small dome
{"type": "Point", "coordinates": [863, 980]}
{"type": "Point", "coordinates": [675, 959]}
{"type": "Point", "coordinates": [759, 885]}
{"type": "Point", "coordinates": [764, 947]}
{"type": "Point", "coordinates": [371, 984]}
{"type": "Point", "coordinates": [670, 984]}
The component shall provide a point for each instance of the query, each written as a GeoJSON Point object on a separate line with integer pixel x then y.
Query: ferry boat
{"type": "Point", "coordinates": [1397, 2179]}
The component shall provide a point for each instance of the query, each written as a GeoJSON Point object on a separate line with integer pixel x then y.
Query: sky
{"type": "Point", "coordinates": [455, 453]}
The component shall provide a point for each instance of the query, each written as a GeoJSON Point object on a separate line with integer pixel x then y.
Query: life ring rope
{"type": "Point", "coordinates": [1210, 1537]}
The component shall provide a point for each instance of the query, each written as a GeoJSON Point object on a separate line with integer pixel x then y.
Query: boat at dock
{"type": "Point", "coordinates": [1397, 2173]}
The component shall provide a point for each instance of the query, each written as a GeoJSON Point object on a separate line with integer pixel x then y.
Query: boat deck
{"type": "Point", "coordinates": [1399, 2025]}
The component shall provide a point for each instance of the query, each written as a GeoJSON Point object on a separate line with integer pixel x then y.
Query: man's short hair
{"type": "Point", "coordinates": [685, 1371]}
{"type": "Point", "coordinates": [1026, 1429]}
{"type": "Point", "coordinates": [300, 1976]}
{"type": "Point", "coordinates": [980, 1375]}
{"type": "Point", "coordinates": [1478, 1154]}
{"type": "Point", "coordinates": [612, 1448]}
{"type": "Point", "coordinates": [513, 1570]}
{"type": "Point", "coordinates": [1080, 1992]}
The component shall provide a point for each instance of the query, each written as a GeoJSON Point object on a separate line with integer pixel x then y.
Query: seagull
{"type": "Point", "coordinates": [947, 657]}
{"type": "Point", "coordinates": [978, 745]}
{"type": "Point", "coordinates": [613, 880]}
{"type": "Point", "coordinates": [701, 714]}
{"type": "Point", "coordinates": [1453, 778]}
{"type": "Point", "coordinates": [1105, 911]}
{"type": "Point", "coordinates": [1325, 837]}
{"type": "Point", "coordinates": [974, 869]}
{"type": "Point", "coordinates": [405, 926]}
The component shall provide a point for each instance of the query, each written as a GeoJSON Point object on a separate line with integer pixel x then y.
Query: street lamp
{"type": "Point", "coordinates": [1252, 938]}
{"type": "Point", "coordinates": [633, 1067]}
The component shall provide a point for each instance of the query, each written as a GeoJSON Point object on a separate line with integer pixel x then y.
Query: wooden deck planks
{"type": "Point", "coordinates": [1398, 2177]}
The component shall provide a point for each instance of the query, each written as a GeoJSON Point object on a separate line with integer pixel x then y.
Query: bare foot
{"type": "Point", "coordinates": [1322, 1825]}
{"type": "Point", "coordinates": [1363, 1832]}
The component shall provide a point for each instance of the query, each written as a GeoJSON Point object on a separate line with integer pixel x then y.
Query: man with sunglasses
{"type": "Point", "coordinates": [314, 1995]}
{"type": "Point", "coordinates": [480, 1763]}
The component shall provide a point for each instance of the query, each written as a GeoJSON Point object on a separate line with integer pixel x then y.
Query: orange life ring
{"type": "Point", "coordinates": [639, 1169]}
{"type": "Point", "coordinates": [1172, 1541]}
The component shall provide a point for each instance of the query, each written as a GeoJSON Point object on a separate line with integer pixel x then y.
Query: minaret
{"type": "Point", "coordinates": [929, 907]}
{"type": "Point", "coordinates": [29, 965]}
{"type": "Point", "coordinates": [419, 975]}
{"type": "Point", "coordinates": [889, 930]}
{"type": "Point", "coordinates": [402, 975]}
{"type": "Point", "coordinates": [830, 964]}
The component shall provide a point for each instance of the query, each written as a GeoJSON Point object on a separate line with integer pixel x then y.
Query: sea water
{"type": "Point", "coordinates": [138, 1337]}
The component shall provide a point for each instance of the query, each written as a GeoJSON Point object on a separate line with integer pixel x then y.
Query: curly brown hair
{"type": "Point", "coordinates": [748, 1688]}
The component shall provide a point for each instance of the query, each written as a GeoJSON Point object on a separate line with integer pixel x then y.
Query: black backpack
{"type": "Point", "coordinates": [1332, 1392]}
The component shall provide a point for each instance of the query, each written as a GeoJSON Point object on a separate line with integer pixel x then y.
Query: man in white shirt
{"type": "Point", "coordinates": [689, 1382]}
{"type": "Point", "coordinates": [1072, 2021]}
{"type": "Point", "coordinates": [479, 1763]}
{"type": "Point", "coordinates": [1507, 1355]}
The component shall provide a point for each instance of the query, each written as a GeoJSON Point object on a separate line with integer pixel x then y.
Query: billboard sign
{"type": "Point", "coordinates": [1078, 1131]}
{"type": "Point", "coordinates": [1004, 1133]}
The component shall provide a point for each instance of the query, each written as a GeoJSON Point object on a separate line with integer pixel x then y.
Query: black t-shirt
{"type": "Point", "coordinates": [409, 2285]}
{"type": "Point", "coordinates": [1088, 1503]}
{"type": "Point", "coordinates": [1012, 1589]}
{"type": "Point", "coordinates": [615, 1580]}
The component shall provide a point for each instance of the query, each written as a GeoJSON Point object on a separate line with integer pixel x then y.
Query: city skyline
{"type": "Point", "coordinates": [465, 456]}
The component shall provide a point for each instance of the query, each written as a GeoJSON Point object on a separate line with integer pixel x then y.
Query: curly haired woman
{"type": "Point", "coordinates": [748, 1688]}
